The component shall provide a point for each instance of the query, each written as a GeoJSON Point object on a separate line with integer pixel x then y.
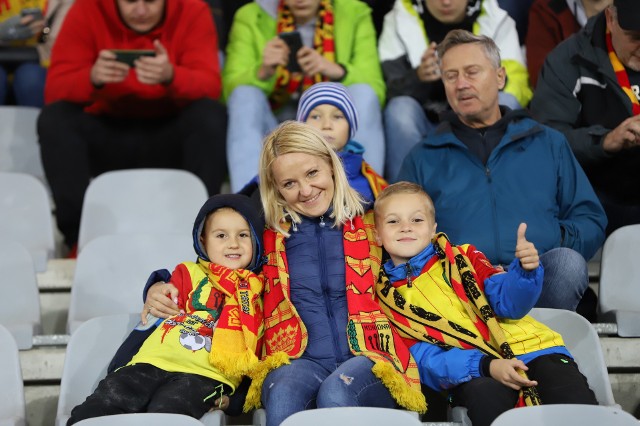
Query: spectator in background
{"type": "Point", "coordinates": [488, 168]}
{"type": "Point", "coordinates": [519, 11]}
{"type": "Point", "coordinates": [589, 90]}
{"type": "Point", "coordinates": [407, 48]}
{"type": "Point", "coordinates": [261, 83]}
{"type": "Point", "coordinates": [103, 114]}
{"type": "Point", "coordinates": [554, 21]}
{"type": "Point", "coordinates": [27, 33]}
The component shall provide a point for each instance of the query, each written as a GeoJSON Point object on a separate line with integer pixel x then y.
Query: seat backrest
{"type": "Point", "coordinates": [12, 408]}
{"type": "Point", "coordinates": [19, 148]}
{"type": "Point", "coordinates": [88, 354]}
{"type": "Point", "coordinates": [140, 201]}
{"type": "Point", "coordinates": [565, 414]}
{"type": "Point", "coordinates": [584, 344]}
{"type": "Point", "coordinates": [143, 419]}
{"type": "Point", "coordinates": [112, 270]}
{"type": "Point", "coordinates": [19, 288]}
{"type": "Point", "coordinates": [352, 416]}
{"type": "Point", "coordinates": [25, 215]}
{"type": "Point", "coordinates": [619, 288]}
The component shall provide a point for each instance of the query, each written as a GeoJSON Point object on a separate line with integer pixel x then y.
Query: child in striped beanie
{"type": "Point", "coordinates": [328, 107]}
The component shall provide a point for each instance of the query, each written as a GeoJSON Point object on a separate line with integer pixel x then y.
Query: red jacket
{"type": "Point", "coordinates": [550, 22]}
{"type": "Point", "coordinates": [187, 32]}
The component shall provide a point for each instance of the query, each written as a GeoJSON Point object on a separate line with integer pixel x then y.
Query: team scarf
{"type": "Point", "coordinates": [376, 182]}
{"type": "Point", "coordinates": [237, 340]}
{"type": "Point", "coordinates": [288, 83]}
{"type": "Point", "coordinates": [369, 331]}
{"type": "Point", "coordinates": [417, 324]}
{"type": "Point", "coordinates": [621, 74]}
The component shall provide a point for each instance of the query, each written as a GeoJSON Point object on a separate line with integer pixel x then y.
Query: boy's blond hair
{"type": "Point", "coordinates": [294, 137]}
{"type": "Point", "coordinates": [404, 187]}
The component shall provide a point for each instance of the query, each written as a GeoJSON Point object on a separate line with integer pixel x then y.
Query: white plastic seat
{"type": "Point", "coordinates": [583, 343]}
{"type": "Point", "coordinates": [88, 354]}
{"type": "Point", "coordinates": [12, 408]}
{"type": "Point", "coordinates": [143, 419]}
{"type": "Point", "coordinates": [619, 288]}
{"type": "Point", "coordinates": [25, 215]}
{"type": "Point", "coordinates": [565, 414]}
{"type": "Point", "coordinates": [112, 270]}
{"type": "Point", "coordinates": [19, 148]}
{"type": "Point", "coordinates": [140, 201]}
{"type": "Point", "coordinates": [352, 416]}
{"type": "Point", "coordinates": [18, 287]}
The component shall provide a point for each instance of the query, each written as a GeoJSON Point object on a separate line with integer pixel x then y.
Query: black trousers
{"type": "Point", "coordinates": [143, 388]}
{"type": "Point", "coordinates": [559, 382]}
{"type": "Point", "coordinates": [76, 146]}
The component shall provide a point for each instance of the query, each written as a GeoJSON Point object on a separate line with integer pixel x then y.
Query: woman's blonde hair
{"type": "Point", "coordinates": [295, 137]}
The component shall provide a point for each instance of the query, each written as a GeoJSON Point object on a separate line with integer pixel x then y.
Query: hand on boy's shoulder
{"type": "Point", "coordinates": [526, 252]}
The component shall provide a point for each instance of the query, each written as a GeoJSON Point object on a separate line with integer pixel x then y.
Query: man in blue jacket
{"type": "Point", "coordinates": [488, 169]}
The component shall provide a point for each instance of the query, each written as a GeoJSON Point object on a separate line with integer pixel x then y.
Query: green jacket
{"type": "Point", "coordinates": [355, 43]}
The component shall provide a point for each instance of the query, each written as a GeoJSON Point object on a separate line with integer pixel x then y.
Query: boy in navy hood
{"type": "Point", "coordinates": [203, 352]}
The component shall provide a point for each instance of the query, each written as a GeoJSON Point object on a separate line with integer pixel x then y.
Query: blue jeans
{"type": "Point", "coordinates": [251, 119]}
{"type": "Point", "coordinates": [304, 384]}
{"type": "Point", "coordinates": [566, 277]}
{"type": "Point", "coordinates": [27, 85]}
{"type": "Point", "coordinates": [406, 125]}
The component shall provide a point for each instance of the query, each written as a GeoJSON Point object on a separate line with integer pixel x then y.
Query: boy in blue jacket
{"type": "Point", "coordinates": [465, 319]}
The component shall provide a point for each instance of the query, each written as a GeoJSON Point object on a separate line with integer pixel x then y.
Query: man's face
{"type": "Point", "coordinates": [303, 10]}
{"type": "Point", "coordinates": [141, 15]}
{"type": "Point", "coordinates": [472, 83]}
{"type": "Point", "coordinates": [625, 43]}
{"type": "Point", "coordinates": [447, 11]}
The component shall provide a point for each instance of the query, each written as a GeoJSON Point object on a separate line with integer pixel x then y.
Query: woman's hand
{"type": "Point", "coordinates": [162, 301]}
{"type": "Point", "coordinates": [506, 372]}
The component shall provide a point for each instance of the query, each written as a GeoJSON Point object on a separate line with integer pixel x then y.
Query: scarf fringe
{"type": "Point", "coordinates": [258, 376]}
{"type": "Point", "coordinates": [409, 398]}
{"type": "Point", "coordinates": [234, 363]}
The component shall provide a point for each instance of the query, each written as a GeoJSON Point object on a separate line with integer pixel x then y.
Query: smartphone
{"type": "Point", "coordinates": [294, 41]}
{"type": "Point", "coordinates": [128, 56]}
{"type": "Point", "coordinates": [34, 11]}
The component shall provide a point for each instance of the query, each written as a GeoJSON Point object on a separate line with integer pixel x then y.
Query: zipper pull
{"type": "Point", "coordinates": [409, 277]}
{"type": "Point", "coordinates": [322, 224]}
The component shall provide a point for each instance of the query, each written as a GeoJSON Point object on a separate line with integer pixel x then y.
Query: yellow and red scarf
{"type": "Point", "coordinates": [621, 74]}
{"type": "Point", "coordinates": [417, 324]}
{"type": "Point", "coordinates": [237, 342]}
{"type": "Point", "coordinates": [376, 182]}
{"type": "Point", "coordinates": [370, 332]}
{"type": "Point", "coordinates": [323, 42]}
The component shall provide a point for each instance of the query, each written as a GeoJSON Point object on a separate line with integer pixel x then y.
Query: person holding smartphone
{"type": "Point", "coordinates": [279, 48]}
{"type": "Point", "coordinates": [103, 114]}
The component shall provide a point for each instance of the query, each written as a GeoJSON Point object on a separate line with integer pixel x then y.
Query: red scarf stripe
{"type": "Point", "coordinates": [621, 74]}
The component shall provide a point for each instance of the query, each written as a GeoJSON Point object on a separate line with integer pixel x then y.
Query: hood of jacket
{"type": "Point", "coordinates": [247, 209]}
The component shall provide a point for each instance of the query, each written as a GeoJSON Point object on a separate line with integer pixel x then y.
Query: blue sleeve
{"type": "Point", "coordinates": [581, 215]}
{"type": "Point", "coordinates": [514, 293]}
{"type": "Point", "coordinates": [156, 276]}
{"type": "Point", "coordinates": [442, 369]}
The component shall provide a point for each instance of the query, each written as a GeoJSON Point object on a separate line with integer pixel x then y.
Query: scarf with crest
{"type": "Point", "coordinates": [621, 75]}
{"type": "Point", "coordinates": [237, 340]}
{"type": "Point", "coordinates": [287, 82]}
{"type": "Point", "coordinates": [415, 323]}
{"type": "Point", "coordinates": [368, 329]}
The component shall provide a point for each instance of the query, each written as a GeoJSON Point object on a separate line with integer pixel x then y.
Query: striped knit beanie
{"type": "Point", "coordinates": [335, 94]}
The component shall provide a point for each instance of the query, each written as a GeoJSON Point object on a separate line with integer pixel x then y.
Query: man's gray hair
{"type": "Point", "coordinates": [459, 37]}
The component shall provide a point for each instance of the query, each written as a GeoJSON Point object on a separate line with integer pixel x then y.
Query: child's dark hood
{"type": "Point", "coordinates": [243, 205]}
